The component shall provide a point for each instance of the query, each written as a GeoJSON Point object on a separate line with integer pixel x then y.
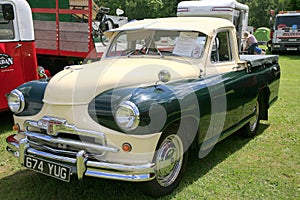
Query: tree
{"type": "Point", "coordinates": [259, 11]}
{"type": "Point", "coordinates": [293, 5]}
{"type": "Point", "coordinates": [140, 9]}
{"type": "Point", "coordinates": [135, 9]}
{"type": "Point", "coordinates": [169, 8]}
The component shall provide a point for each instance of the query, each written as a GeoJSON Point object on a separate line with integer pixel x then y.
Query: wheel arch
{"type": "Point", "coordinates": [187, 128]}
{"type": "Point", "coordinates": [154, 188]}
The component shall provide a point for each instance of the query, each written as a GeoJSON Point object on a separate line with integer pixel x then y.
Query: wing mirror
{"type": "Point", "coordinates": [163, 76]}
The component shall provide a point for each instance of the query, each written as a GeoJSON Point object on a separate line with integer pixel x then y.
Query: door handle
{"type": "Point", "coordinates": [18, 46]}
{"type": "Point", "coordinates": [236, 67]}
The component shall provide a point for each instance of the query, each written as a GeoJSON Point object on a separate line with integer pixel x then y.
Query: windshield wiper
{"type": "Point", "coordinates": [130, 52]}
{"type": "Point", "coordinates": [147, 50]}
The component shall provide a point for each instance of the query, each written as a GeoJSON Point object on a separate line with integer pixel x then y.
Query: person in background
{"type": "Point", "coordinates": [259, 51]}
{"type": "Point", "coordinates": [251, 42]}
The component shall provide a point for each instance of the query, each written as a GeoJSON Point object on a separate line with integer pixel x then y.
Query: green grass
{"type": "Point", "coordinates": [264, 167]}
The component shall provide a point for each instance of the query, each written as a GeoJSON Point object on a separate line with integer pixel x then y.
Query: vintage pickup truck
{"type": "Point", "coordinates": [162, 87]}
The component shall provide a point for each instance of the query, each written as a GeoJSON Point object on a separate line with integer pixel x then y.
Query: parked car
{"type": "Point", "coordinates": [162, 86]}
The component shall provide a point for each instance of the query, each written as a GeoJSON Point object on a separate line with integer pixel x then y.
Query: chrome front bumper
{"type": "Point", "coordinates": [80, 161]}
{"type": "Point", "coordinates": [82, 166]}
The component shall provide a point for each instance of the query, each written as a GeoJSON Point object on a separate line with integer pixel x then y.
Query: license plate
{"type": "Point", "coordinates": [291, 49]}
{"type": "Point", "coordinates": [48, 168]}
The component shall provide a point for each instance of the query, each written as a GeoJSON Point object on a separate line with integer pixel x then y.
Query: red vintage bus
{"type": "Point", "coordinates": [18, 62]}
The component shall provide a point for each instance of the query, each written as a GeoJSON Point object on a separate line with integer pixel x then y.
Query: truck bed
{"type": "Point", "coordinates": [257, 60]}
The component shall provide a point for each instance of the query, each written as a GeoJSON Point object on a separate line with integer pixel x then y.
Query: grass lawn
{"type": "Point", "coordinates": [264, 167]}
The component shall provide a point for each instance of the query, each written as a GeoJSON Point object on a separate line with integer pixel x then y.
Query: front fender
{"type": "Point", "coordinates": [33, 92]}
{"type": "Point", "coordinates": [159, 105]}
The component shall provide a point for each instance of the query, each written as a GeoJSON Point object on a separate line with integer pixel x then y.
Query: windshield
{"type": "Point", "coordinates": [158, 42]}
{"type": "Point", "coordinates": [288, 21]}
{"type": "Point", "coordinates": [6, 27]}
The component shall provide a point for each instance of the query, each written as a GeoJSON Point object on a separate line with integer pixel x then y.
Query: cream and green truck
{"type": "Point", "coordinates": [163, 88]}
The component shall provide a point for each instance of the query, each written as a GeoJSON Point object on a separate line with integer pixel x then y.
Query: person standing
{"type": "Point", "coordinates": [251, 42]}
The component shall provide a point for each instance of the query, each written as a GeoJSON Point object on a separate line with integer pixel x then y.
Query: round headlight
{"type": "Point", "coordinates": [127, 116]}
{"type": "Point", "coordinates": [16, 101]}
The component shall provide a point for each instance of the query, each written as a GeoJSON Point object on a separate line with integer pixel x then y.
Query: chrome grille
{"type": "Point", "coordinates": [56, 136]}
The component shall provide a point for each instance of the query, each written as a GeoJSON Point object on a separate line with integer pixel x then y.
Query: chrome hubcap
{"type": "Point", "coordinates": [254, 121]}
{"type": "Point", "coordinates": [169, 160]}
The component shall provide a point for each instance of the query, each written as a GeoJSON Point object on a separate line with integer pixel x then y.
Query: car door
{"type": "Point", "coordinates": [227, 84]}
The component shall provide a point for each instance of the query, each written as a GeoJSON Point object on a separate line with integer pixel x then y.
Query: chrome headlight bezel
{"type": "Point", "coordinates": [127, 116]}
{"type": "Point", "coordinates": [16, 101]}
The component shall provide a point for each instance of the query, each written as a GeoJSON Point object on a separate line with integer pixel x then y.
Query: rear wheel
{"type": "Point", "coordinates": [250, 129]}
{"type": "Point", "coordinates": [171, 161]}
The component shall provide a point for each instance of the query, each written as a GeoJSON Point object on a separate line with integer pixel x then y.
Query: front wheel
{"type": "Point", "coordinates": [171, 161]}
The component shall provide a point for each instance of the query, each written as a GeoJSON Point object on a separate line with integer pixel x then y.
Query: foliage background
{"type": "Point", "coordinates": [259, 14]}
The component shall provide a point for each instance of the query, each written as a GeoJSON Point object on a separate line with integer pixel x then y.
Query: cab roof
{"type": "Point", "coordinates": [206, 25]}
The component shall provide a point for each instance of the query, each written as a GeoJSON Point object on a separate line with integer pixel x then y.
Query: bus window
{"type": "Point", "coordinates": [6, 22]}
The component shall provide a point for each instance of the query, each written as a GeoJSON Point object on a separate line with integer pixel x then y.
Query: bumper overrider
{"type": "Point", "coordinates": [61, 145]}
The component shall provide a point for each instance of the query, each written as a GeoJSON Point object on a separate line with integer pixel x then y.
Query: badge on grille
{"type": "Point", "coordinates": [51, 125]}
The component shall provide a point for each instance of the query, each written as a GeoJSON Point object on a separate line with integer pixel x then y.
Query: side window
{"type": "Point", "coordinates": [6, 22]}
{"type": "Point", "coordinates": [120, 45]}
{"type": "Point", "coordinates": [221, 50]}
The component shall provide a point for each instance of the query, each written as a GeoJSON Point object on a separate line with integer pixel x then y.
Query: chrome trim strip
{"type": "Point", "coordinates": [50, 156]}
{"type": "Point", "coordinates": [70, 153]}
{"type": "Point", "coordinates": [118, 176]}
{"type": "Point", "coordinates": [53, 126]}
{"type": "Point", "coordinates": [146, 168]}
{"type": "Point", "coordinates": [74, 143]}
